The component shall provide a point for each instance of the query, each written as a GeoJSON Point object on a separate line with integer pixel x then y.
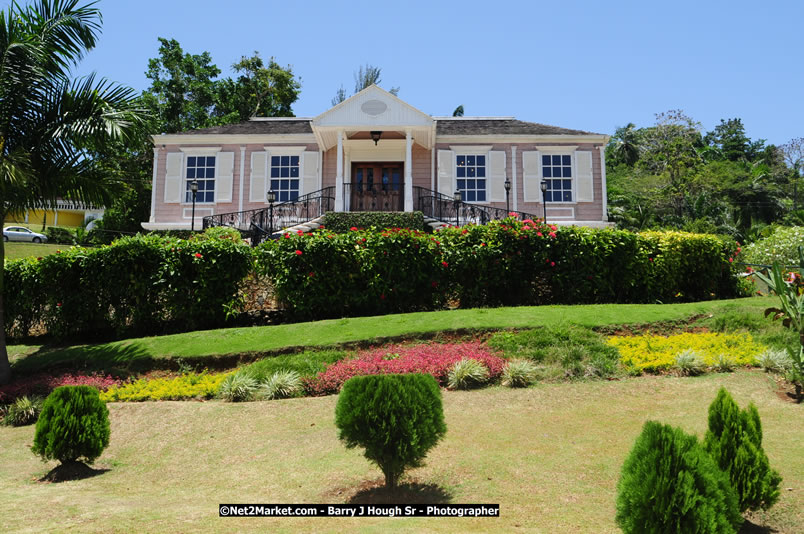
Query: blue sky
{"type": "Point", "coordinates": [588, 65]}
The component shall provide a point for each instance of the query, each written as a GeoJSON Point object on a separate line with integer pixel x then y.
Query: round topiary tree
{"type": "Point", "coordinates": [395, 418]}
{"type": "Point", "coordinates": [670, 484]}
{"type": "Point", "coordinates": [73, 425]}
{"type": "Point", "coordinates": [734, 440]}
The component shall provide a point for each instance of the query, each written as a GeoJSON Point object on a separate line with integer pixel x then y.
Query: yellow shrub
{"type": "Point", "coordinates": [652, 353]}
{"type": "Point", "coordinates": [188, 386]}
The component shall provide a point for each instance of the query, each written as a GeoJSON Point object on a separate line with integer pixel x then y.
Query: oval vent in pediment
{"type": "Point", "coordinates": [374, 107]}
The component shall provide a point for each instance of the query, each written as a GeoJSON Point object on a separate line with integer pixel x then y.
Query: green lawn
{"type": "Point", "coordinates": [250, 343]}
{"type": "Point", "coordinates": [550, 456]}
{"type": "Point", "coordinates": [17, 250]}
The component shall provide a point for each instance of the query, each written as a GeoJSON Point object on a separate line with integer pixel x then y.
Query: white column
{"type": "Point", "coordinates": [339, 175]}
{"type": "Point", "coordinates": [603, 193]}
{"type": "Point", "coordinates": [408, 171]}
{"type": "Point", "coordinates": [153, 187]}
{"type": "Point", "coordinates": [242, 175]}
{"type": "Point", "coordinates": [513, 178]}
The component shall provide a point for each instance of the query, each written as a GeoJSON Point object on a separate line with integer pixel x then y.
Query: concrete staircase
{"type": "Point", "coordinates": [315, 224]}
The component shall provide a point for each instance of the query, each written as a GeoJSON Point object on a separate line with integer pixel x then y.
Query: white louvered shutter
{"type": "Point", "coordinates": [584, 181]}
{"type": "Point", "coordinates": [446, 172]}
{"type": "Point", "coordinates": [173, 177]}
{"type": "Point", "coordinates": [531, 162]}
{"type": "Point", "coordinates": [496, 186]}
{"type": "Point", "coordinates": [257, 177]}
{"type": "Point", "coordinates": [309, 173]}
{"type": "Point", "coordinates": [224, 177]}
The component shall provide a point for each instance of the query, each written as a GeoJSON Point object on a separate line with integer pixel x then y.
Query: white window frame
{"type": "Point", "coordinates": [471, 150]}
{"type": "Point", "coordinates": [275, 151]}
{"type": "Point", "coordinates": [198, 152]}
{"type": "Point", "coordinates": [559, 151]}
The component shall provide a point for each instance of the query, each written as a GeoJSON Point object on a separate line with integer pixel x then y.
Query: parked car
{"type": "Point", "coordinates": [20, 233]}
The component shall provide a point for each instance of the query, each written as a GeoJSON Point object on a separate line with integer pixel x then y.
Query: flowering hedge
{"type": "Point", "coordinates": [656, 353]}
{"type": "Point", "coordinates": [138, 285]}
{"type": "Point", "coordinates": [324, 274]}
{"type": "Point", "coordinates": [43, 384]}
{"type": "Point", "coordinates": [432, 359]}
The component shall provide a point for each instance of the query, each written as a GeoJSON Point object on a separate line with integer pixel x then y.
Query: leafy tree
{"type": "Point", "coordinates": [625, 146]}
{"type": "Point", "coordinates": [458, 111]}
{"type": "Point", "coordinates": [48, 122]}
{"type": "Point", "coordinates": [365, 76]}
{"type": "Point", "coordinates": [258, 91]}
{"type": "Point", "coordinates": [730, 139]}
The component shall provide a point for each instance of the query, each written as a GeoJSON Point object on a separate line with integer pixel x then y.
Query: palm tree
{"type": "Point", "coordinates": [48, 121]}
{"type": "Point", "coordinates": [627, 144]}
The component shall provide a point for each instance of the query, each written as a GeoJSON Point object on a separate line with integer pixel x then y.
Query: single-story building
{"type": "Point", "coordinates": [375, 152]}
{"type": "Point", "coordinates": [65, 213]}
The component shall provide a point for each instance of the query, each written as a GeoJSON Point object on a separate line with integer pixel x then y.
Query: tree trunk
{"type": "Point", "coordinates": [5, 367]}
{"type": "Point", "coordinates": [390, 479]}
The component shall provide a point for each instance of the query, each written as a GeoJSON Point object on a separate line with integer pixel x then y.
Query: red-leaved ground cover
{"type": "Point", "coordinates": [434, 359]}
{"type": "Point", "coordinates": [43, 384]}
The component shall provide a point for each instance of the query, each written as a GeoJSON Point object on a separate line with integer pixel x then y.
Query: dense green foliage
{"type": "Point", "coordinates": [673, 175]}
{"type": "Point", "coordinates": [734, 440]}
{"type": "Point", "coordinates": [669, 484]}
{"type": "Point", "coordinates": [395, 418]}
{"type": "Point", "coordinates": [342, 222]}
{"type": "Point", "coordinates": [73, 425]}
{"type": "Point", "coordinates": [781, 246]}
{"type": "Point", "coordinates": [142, 284]}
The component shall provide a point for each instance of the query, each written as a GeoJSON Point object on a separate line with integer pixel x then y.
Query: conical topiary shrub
{"type": "Point", "coordinates": [395, 418]}
{"type": "Point", "coordinates": [734, 440]}
{"type": "Point", "coordinates": [73, 425]}
{"type": "Point", "coordinates": [669, 484]}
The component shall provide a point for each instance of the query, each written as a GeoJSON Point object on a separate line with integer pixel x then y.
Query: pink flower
{"type": "Point", "coordinates": [553, 227]}
{"type": "Point", "coordinates": [552, 234]}
{"type": "Point", "coordinates": [650, 259]}
{"type": "Point", "coordinates": [298, 252]}
{"type": "Point", "coordinates": [552, 264]}
{"type": "Point", "coordinates": [731, 260]}
{"type": "Point", "coordinates": [539, 234]}
{"type": "Point", "coordinates": [353, 228]}
{"type": "Point", "coordinates": [198, 255]}
{"type": "Point", "coordinates": [528, 221]}
{"type": "Point", "coordinates": [513, 214]}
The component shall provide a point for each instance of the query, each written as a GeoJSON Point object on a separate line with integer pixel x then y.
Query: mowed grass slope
{"type": "Point", "coordinates": [146, 352]}
{"type": "Point", "coordinates": [550, 456]}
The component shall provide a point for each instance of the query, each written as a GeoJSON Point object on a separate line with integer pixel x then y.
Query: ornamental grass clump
{"type": "Point", "coordinates": [519, 374]}
{"type": "Point", "coordinates": [467, 374]}
{"type": "Point", "coordinates": [734, 440]}
{"type": "Point", "coordinates": [669, 484]}
{"type": "Point", "coordinates": [238, 387]}
{"type": "Point", "coordinates": [23, 411]}
{"type": "Point", "coordinates": [725, 363]}
{"type": "Point", "coordinates": [397, 419]}
{"type": "Point", "coordinates": [73, 426]}
{"type": "Point", "coordinates": [281, 385]}
{"type": "Point", "coordinates": [776, 361]}
{"type": "Point", "coordinates": [689, 363]}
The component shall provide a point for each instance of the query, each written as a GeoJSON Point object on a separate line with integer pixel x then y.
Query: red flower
{"type": "Point", "coordinates": [364, 240]}
{"type": "Point", "coordinates": [298, 252]}
{"type": "Point", "coordinates": [650, 259]}
{"type": "Point", "coordinates": [513, 214]}
{"type": "Point", "coordinates": [552, 264]}
{"type": "Point", "coordinates": [198, 255]}
{"type": "Point", "coordinates": [311, 274]}
{"type": "Point", "coordinates": [553, 227]}
{"type": "Point", "coordinates": [58, 252]}
{"type": "Point", "coordinates": [58, 304]}
{"type": "Point", "coordinates": [434, 284]}
{"type": "Point", "coordinates": [287, 236]}
{"type": "Point", "coordinates": [464, 231]}
{"type": "Point", "coordinates": [353, 228]}
{"type": "Point", "coordinates": [299, 232]}
{"type": "Point", "coordinates": [749, 270]}
{"type": "Point", "coordinates": [552, 234]}
{"type": "Point", "coordinates": [482, 244]}
{"type": "Point", "coordinates": [382, 297]}
{"type": "Point", "coordinates": [39, 258]}
{"type": "Point", "coordinates": [444, 264]}
{"type": "Point", "coordinates": [539, 234]}
{"type": "Point", "coordinates": [731, 260]}
{"type": "Point", "coordinates": [529, 221]}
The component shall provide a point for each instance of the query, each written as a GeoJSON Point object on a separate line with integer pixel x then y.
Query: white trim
{"type": "Point", "coordinates": [561, 149]}
{"type": "Point", "coordinates": [515, 203]}
{"type": "Point", "coordinates": [470, 149]}
{"type": "Point", "coordinates": [571, 209]}
{"type": "Point", "coordinates": [573, 178]}
{"type": "Point", "coordinates": [285, 150]}
{"type": "Point", "coordinates": [339, 173]}
{"type": "Point", "coordinates": [604, 194]}
{"type": "Point", "coordinates": [408, 172]}
{"type": "Point", "coordinates": [320, 169]}
{"type": "Point", "coordinates": [242, 177]}
{"type": "Point", "coordinates": [201, 151]}
{"type": "Point", "coordinates": [153, 188]}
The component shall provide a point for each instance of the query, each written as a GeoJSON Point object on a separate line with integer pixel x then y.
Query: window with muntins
{"type": "Point", "coordinates": [285, 177]}
{"type": "Point", "coordinates": [201, 169]}
{"type": "Point", "coordinates": [557, 172]}
{"type": "Point", "coordinates": [471, 175]}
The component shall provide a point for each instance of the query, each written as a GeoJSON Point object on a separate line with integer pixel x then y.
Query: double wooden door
{"type": "Point", "coordinates": [377, 187]}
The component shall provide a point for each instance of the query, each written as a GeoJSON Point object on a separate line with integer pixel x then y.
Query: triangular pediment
{"type": "Point", "coordinates": [373, 108]}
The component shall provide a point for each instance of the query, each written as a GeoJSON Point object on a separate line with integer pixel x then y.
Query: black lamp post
{"type": "Point", "coordinates": [271, 200]}
{"type": "Point", "coordinates": [194, 189]}
{"type": "Point", "coordinates": [457, 201]}
{"type": "Point", "coordinates": [507, 195]}
{"type": "Point", "coordinates": [544, 198]}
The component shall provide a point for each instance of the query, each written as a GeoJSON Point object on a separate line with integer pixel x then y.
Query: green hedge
{"type": "Point", "coordinates": [139, 285]}
{"type": "Point", "coordinates": [343, 222]}
{"type": "Point", "coordinates": [503, 263]}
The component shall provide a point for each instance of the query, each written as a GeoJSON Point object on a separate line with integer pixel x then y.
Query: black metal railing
{"type": "Point", "coordinates": [444, 208]}
{"type": "Point", "coordinates": [261, 222]}
{"type": "Point", "coordinates": [374, 197]}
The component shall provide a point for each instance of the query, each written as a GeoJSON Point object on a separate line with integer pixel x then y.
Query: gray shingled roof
{"type": "Point", "coordinates": [300, 126]}
{"type": "Point", "coordinates": [500, 127]}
